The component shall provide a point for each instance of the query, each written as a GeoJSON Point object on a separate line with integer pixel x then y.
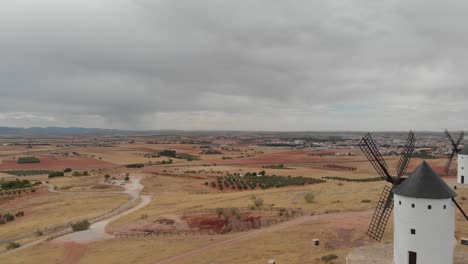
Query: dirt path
{"type": "Point", "coordinates": [251, 234]}
{"type": "Point", "coordinates": [97, 230]}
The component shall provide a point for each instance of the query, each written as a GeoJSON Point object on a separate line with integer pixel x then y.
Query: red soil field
{"type": "Point", "coordinates": [206, 222]}
{"type": "Point", "coordinates": [6, 206]}
{"type": "Point", "coordinates": [56, 163]}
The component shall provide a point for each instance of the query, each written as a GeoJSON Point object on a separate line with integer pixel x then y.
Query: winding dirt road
{"type": "Point", "coordinates": [97, 230]}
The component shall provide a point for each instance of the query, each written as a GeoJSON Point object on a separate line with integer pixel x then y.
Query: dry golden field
{"type": "Point", "coordinates": [338, 216]}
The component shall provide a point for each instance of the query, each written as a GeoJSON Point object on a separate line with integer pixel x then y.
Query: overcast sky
{"type": "Point", "coordinates": [234, 65]}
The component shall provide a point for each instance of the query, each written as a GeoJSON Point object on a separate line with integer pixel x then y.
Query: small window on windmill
{"type": "Point", "coordinates": [412, 205]}
{"type": "Point", "coordinates": [445, 206]}
{"type": "Point", "coordinates": [429, 207]}
{"type": "Point", "coordinates": [399, 202]}
{"type": "Point", "coordinates": [413, 231]}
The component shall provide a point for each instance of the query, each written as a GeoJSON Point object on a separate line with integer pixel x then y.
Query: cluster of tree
{"type": "Point", "coordinates": [262, 182]}
{"type": "Point", "coordinates": [274, 166]}
{"type": "Point", "coordinates": [80, 226]}
{"type": "Point", "coordinates": [167, 161]}
{"type": "Point", "coordinates": [340, 167]}
{"type": "Point", "coordinates": [56, 174]}
{"type": "Point", "coordinates": [12, 245]}
{"type": "Point", "coordinates": [78, 174]}
{"type": "Point", "coordinates": [329, 257]}
{"type": "Point", "coordinates": [135, 165]}
{"type": "Point", "coordinates": [337, 178]}
{"type": "Point", "coordinates": [28, 160]}
{"type": "Point", "coordinates": [211, 152]}
{"type": "Point", "coordinates": [9, 217]}
{"type": "Point", "coordinates": [187, 157]}
{"type": "Point", "coordinates": [168, 153]}
{"type": "Point", "coordinates": [12, 194]}
{"type": "Point", "coordinates": [17, 184]}
{"type": "Point", "coordinates": [27, 172]}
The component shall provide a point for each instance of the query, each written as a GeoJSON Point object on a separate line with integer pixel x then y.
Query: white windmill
{"type": "Point", "coordinates": [424, 209]}
{"type": "Point", "coordinates": [462, 158]}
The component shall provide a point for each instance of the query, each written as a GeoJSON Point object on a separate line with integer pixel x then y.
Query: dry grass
{"type": "Point", "coordinates": [177, 191]}
{"type": "Point", "coordinates": [176, 194]}
{"type": "Point", "coordinates": [52, 209]}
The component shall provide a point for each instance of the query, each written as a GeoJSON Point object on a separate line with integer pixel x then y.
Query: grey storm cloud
{"type": "Point", "coordinates": [260, 65]}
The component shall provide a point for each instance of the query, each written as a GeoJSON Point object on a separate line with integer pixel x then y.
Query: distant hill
{"type": "Point", "coordinates": [58, 130]}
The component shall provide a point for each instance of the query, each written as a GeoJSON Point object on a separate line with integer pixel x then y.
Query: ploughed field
{"type": "Point", "coordinates": [49, 162]}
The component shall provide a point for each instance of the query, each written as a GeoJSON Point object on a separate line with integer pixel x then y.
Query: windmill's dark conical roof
{"type": "Point", "coordinates": [424, 183]}
{"type": "Point", "coordinates": [464, 151]}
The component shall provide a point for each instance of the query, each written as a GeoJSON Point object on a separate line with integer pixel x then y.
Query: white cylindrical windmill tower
{"type": "Point", "coordinates": [462, 167]}
{"type": "Point", "coordinates": [424, 219]}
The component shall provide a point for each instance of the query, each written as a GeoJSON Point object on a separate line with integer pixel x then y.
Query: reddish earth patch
{"type": "Point", "coordinates": [56, 163]}
{"type": "Point", "coordinates": [206, 223]}
{"type": "Point", "coordinates": [6, 205]}
{"type": "Point", "coordinates": [74, 252]}
{"type": "Point", "coordinates": [219, 224]}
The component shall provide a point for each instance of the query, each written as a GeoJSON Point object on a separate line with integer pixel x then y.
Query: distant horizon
{"type": "Point", "coordinates": [214, 130]}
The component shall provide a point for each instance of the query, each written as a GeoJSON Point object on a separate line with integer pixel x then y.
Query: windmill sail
{"type": "Point", "coordinates": [381, 214]}
{"type": "Point", "coordinates": [455, 149]}
{"type": "Point", "coordinates": [369, 148]}
{"type": "Point", "coordinates": [459, 208]}
{"type": "Point", "coordinates": [405, 155]}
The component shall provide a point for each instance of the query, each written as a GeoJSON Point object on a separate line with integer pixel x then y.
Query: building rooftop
{"type": "Point", "coordinates": [424, 183]}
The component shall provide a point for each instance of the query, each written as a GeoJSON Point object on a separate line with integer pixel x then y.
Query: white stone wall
{"type": "Point", "coordinates": [433, 240]}
{"type": "Point", "coordinates": [462, 168]}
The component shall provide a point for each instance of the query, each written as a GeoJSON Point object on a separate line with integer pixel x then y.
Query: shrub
{"type": "Point", "coordinates": [309, 197]}
{"type": "Point", "coordinates": [135, 166]}
{"type": "Point", "coordinates": [28, 160]}
{"type": "Point", "coordinates": [329, 257]}
{"type": "Point", "coordinates": [219, 211]}
{"type": "Point", "coordinates": [39, 233]}
{"type": "Point", "coordinates": [80, 226]}
{"type": "Point", "coordinates": [168, 153]}
{"type": "Point", "coordinates": [77, 174]}
{"type": "Point", "coordinates": [15, 184]}
{"type": "Point", "coordinates": [56, 174]}
{"type": "Point", "coordinates": [67, 170]}
{"type": "Point", "coordinates": [12, 245]}
{"type": "Point", "coordinates": [366, 201]}
{"type": "Point", "coordinates": [463, 198]}
{"type": "Point", "coordinates": [8, 217]}
{"type": "Point", "coordinates": [27, 172]}
{"type": "Point", "coordinates": [258, 202]}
